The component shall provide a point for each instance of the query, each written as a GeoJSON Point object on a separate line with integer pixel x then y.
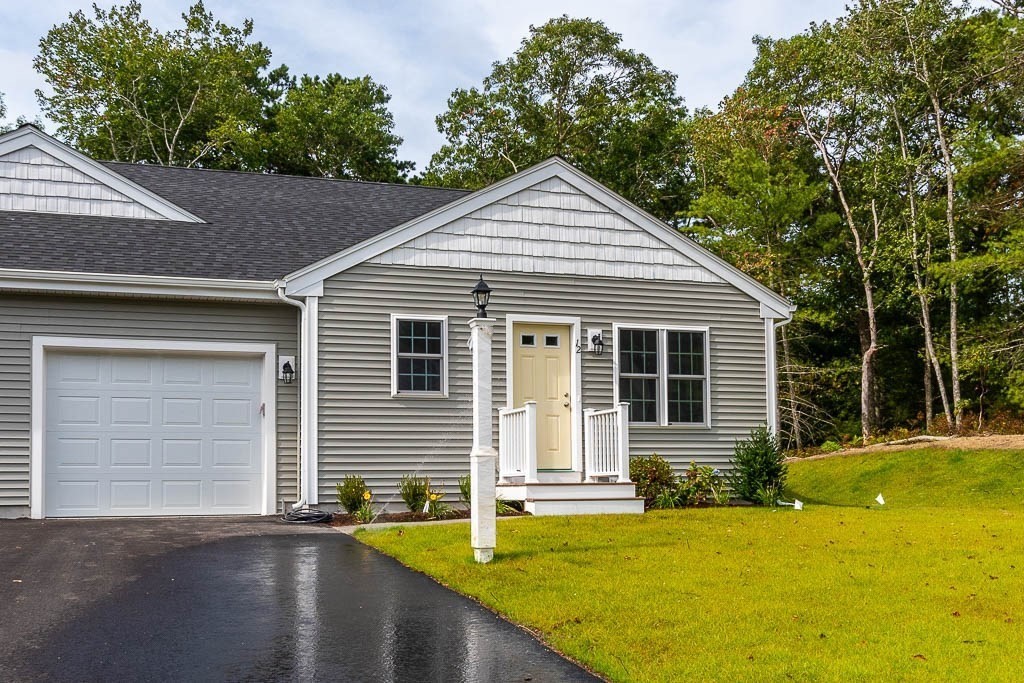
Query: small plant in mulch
{"type": "Point", "coordinates": [364, 513]}
{"type": "Point", "coordinates": [414, 491]}
{"type": "Point", "coordinates": [436, 507]}
{"type": "Point", "coordinates": [350, 493]}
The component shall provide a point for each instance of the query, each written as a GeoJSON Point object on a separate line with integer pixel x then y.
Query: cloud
{"type": "Point", "coordinates": [423, 50]}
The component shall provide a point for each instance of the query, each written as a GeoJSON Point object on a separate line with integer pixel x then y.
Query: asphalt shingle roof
{"type": "Point", "coordinates": [258, 227]}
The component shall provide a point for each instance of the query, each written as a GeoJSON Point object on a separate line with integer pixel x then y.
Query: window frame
{"type": "Point", "coordinates": [396, 318]}
{"type": "Point", "coordinates": [663, 376]}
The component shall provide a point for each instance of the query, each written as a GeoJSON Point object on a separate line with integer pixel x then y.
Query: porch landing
{"type": "Point", "coordinates": [574, 498]}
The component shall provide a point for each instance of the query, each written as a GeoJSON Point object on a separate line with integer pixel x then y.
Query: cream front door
{"type": "Point", "coordinates": [542, 357]}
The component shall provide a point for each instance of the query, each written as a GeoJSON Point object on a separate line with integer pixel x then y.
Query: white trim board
{"type": "Point", "coordinates": [776, 305]}
{"type": "Point", "coordinates": [30, 136]}
{"type": "Point", "coordinates": [268, 395]}
{"type": "Point", "coordinates": [135, 285]}
{"type": "Point", "coordinates": [576, 372]}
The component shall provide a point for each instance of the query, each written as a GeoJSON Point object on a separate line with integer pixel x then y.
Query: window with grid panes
{"type": "Point", "coordinates": [663, 375]}
{"type": "Point", "coordinates": [419, 356]}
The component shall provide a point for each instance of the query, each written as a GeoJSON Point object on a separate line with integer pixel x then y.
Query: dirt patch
{"type": "Point", "coordinates": [995, 441]}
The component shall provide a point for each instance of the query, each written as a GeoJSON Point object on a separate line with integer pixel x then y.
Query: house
{"type": "Point", "coordinates": [180, 341]}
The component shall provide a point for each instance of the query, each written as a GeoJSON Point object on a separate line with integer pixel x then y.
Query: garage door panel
{"type": "Point", "coordinates": [131, 495]}
{"type": "Point", "coordinates": [70, 452]}
{"type": "Point", "coordinates": [234, 453]}
{"type": "Point", "coordinates": [232, 412]}
{"type": "Point", "coordinates": [183, 412]}
{"type": "Point", "coordinates": [183, 371]}
{"type": "Point", "coordinates": [188, 442]}
{"type": "Point", "coordinates": [136, 411]}
{"type": "Point", "coordinates": [182, 453]}
{"type": "Point", "coordinates": [75, 369]}
{"type": "Point", "coordinates": [131, 369]}
{"type": "Point", "coordinates": [76, 410]}
{"type": "Point", "coordinates": [131, 453]}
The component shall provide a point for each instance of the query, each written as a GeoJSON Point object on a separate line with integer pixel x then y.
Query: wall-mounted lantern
{"type": "Point", "coordinates": [481, 297]}
{"type": "Point", "coordinates": [595, 342]}
{"type": "Point", "coordinates": [286, 369]}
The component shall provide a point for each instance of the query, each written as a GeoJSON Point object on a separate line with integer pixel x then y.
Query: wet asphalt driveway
{"type": "Point", "coordinates": [238, 600]}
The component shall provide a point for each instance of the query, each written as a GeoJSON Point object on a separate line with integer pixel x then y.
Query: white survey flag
{"type": "Point", "coordinates": [880, 500]}
{"type": "Point", "coordinates": [797, 505]}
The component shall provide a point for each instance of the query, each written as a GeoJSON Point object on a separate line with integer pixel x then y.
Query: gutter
{"type": "Point", "coordinates": [302, 465]}
{"type": "Point", "coordinates": [19, 279]}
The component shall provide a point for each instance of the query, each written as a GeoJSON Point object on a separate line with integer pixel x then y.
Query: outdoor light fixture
{"type": "Point", "coordinates": [597, 344]}
{"type": "Point", "coordinates": [481, 297]}
{"type": "Point", "coordinates": [287, 372]}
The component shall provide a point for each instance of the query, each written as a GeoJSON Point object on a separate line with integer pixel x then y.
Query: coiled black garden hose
{"type": "Point", "coordinates": [307, 516]}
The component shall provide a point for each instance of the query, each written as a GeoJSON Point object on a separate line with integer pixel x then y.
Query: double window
{"type": "Point", "coordinates": [419, 349]}
{"type": "Point", "coordinates": [663, 375]}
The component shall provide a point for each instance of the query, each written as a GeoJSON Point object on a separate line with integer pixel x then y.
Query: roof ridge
{"type": "Point", "coordinates": [350, 181]}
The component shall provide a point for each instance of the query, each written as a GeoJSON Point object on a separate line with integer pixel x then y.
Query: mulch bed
{"type": "Point", "coordinates": [345, 519]}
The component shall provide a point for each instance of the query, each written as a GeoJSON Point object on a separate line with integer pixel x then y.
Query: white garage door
{"type": "Point", "coordinates": [152, 434]}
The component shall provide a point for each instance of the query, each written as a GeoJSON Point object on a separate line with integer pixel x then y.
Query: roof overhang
{"type": "Point", "coordinates": [773, 305]}
{"type": "Point", "coordinates": [48, 281]}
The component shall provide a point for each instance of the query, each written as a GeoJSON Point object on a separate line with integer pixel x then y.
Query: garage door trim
{"type": "Point", "coordinates": [43, 344]}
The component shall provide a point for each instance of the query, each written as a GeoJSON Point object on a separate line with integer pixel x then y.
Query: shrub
{"type": "Point", "coordinates": [652, 476]}
{"type": "Point", "coordinates": [831, 447]}
{"type": "Point", "coordinates": [465, 489]}
{"type": "Point", "coordinates": [758, 467]}
{"type": "Point", "coordinates": [350, 493]}
{"type": "Point", "coordinates": [699, 485]}
{"type": "Point", "coordinates": [414, 491]}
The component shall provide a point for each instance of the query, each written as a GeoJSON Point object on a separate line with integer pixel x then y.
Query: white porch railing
{"type": "Point", "coordinates": [606, 443]}
{"type": "Point", "coordinates": [517, 443]}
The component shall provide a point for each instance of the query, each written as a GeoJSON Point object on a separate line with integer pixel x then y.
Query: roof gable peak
{"type": "Point", "coordinates": [45, 175]}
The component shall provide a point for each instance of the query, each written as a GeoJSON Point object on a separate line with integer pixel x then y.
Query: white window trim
{"type": "Point", "coordinates": [663, 331]}
{"type": "Point", "coordinates": [268, 395]}
{"type": "Point", "coordinates": [443, 319]}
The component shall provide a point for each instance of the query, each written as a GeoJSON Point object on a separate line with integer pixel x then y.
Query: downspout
{"type": "Point", "coordinates": [301, 455]}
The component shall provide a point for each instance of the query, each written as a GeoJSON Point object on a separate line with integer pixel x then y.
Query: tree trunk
{"type": "Point", "coordinates": [954, 249]}
{"type": "Point", "coordinates": [868, 331]}
{"type": "Point", "coordinates": [929, 400]}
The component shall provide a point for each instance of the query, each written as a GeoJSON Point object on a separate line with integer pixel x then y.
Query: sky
{"type": "Point", "coordinates": [423, 50]}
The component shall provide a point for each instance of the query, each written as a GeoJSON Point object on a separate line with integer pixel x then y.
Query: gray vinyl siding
{"type": "Point", "coordinates": [25, 316]}
{"type": "Point", "coordinates": [364, 431]}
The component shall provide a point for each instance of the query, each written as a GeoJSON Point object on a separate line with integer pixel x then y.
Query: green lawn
{"type": "Point", "coordinates": [928, 587]}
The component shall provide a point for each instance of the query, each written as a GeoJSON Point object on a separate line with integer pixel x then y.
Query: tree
{"type": "Point", "coordinates": [570, 90]}
{"type": "Point", "coordinates": [122, 90]}
{"type": "Point", "coordinates": [756, 208]}
{"type": "Point", "coordinates": [336, 127]}
{"type": "Point", "coordinates": [813, 75]}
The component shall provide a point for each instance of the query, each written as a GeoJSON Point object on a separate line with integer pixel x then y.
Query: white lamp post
{"type": "Point", "coordinates": [483, 457]}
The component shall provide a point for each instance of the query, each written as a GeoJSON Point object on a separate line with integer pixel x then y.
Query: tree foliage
{"type": "Point", "coordinates": [124, 90]}
{"type": "Point", "coordinates": [336, 127]}
{"type": "Point", "coordinates": [574, 91]}
{"type": "Point", "coordinates": [205, 94]}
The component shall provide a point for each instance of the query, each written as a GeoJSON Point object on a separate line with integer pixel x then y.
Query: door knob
{"type": "Point", "coordinates": [566, 404]}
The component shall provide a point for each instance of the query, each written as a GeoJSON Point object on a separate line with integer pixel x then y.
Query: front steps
{"type": "Point", "coordinates": [574, 498]}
